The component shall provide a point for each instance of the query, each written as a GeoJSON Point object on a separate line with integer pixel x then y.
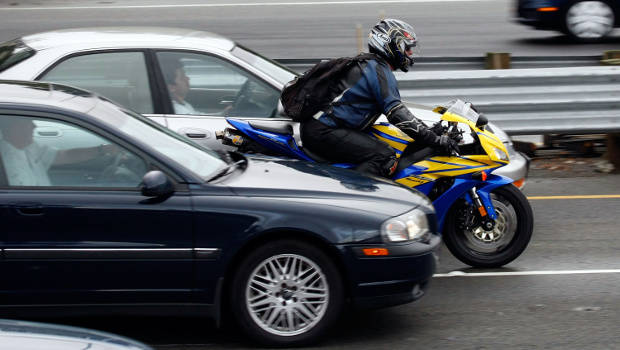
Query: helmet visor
{"type": "Point", "coordinates": [412, 50]}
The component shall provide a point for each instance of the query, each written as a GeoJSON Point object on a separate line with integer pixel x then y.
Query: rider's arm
{"type": "Point", "coordinates": [387, 95]}
{"type": "Point", "coordinates": [384, 88]}
{"type": "Point", "coordinates": [401, 117]}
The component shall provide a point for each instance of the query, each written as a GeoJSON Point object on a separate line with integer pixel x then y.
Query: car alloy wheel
{"type": "Point", "coordinates": [589, 20]}
{"type": "Point", "coordinates": [287, 294]}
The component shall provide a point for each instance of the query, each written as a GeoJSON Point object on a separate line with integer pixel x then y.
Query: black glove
{"type": "Point", "coordinates": [447, 143]}
{"type": "Point", "coordinates": [437, 128]}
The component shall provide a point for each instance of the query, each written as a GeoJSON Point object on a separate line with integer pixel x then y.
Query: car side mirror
{"type": "Point", "coordinates": [156, 184]}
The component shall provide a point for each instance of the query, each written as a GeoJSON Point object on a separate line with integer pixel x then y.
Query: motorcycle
{"type": "Point", "coordinates": [485, 220]}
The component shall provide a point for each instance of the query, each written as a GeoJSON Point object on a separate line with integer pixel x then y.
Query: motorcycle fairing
{"type": "Point", "coordinates": [433, 168]}
{"type": "Point", "coordinates": [391, 135]}
{"type": "Point", "coordinates": [462, 184]}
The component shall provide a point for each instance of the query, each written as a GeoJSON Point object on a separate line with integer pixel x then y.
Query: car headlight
{"type": "Point", "coordinates": [411, 226]}
{"type": "Point", "coordinates": [500, 154]}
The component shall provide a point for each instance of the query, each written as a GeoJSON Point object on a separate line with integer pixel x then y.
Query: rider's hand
{"type": "Point", "coordinates": [437, 128]}
{"type": "Point", "coordinates": [448, 143]}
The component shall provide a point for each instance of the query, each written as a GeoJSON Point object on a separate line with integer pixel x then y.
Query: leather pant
{"type": "Point", "coordinates": [343, 145]}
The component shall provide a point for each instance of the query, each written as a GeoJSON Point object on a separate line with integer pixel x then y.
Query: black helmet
{"type": "Point", "coordinates": [391, 39]}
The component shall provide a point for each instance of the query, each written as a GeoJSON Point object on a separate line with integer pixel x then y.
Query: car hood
{"type": "Point", "coordinates": [324, 184]}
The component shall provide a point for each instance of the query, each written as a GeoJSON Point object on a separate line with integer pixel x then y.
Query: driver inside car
{"type": "Point", "coordinates": [27, 162]}
{"type": "Point", "coordinates": [178, 86]}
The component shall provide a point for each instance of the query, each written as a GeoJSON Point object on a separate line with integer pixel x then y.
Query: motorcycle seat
{"type": "Point", "coordinates": [277, 127]}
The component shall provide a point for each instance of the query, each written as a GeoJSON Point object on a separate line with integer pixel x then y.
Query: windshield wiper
{"type": "Point", "coordinates": [228, 169]}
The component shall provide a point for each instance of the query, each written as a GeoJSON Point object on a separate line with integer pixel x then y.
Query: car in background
{"type": "Point", "coordinates": [129, 66]}
{"type": "Point", "coordinates": [582, 20]}
{"type": "Point", "coordinates": [104, 210]}
{"type": "Point", "coordinates": [24, 335]}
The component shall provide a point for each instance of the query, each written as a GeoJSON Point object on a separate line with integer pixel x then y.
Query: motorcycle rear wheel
{"type": "Point", "coordinates": [497, 247]}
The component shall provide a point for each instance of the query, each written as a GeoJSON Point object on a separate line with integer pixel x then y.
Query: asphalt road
{"type": "Point", "coordinates": [574, 305]}
{"type": "Point", "coordinates": [307, 28]}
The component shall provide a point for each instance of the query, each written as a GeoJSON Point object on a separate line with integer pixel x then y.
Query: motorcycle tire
{"type": "Point", "coordinates": [495, 248]}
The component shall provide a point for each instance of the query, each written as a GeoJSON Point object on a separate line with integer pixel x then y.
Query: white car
{"type": "Point", "coordinates": [131, 66]}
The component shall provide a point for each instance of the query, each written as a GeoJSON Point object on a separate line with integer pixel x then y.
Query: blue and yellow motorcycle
{"type": "Point", "coordinates": [486, 221]}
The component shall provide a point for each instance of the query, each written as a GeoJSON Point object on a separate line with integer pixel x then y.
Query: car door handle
{"type": "Point", "coordinates": [33, 209]}
{"type": "Point", "coordinates": [48, 133]}
{"type": "Point", "coordinates": [192, 135]}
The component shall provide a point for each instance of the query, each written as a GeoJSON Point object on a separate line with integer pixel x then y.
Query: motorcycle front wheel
{"type": "Point", "coordinates": [478, 247]}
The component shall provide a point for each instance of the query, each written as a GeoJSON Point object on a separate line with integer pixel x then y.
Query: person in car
{"type": "Point", "coordinates": [26, 162]}
{"type": "Point", "coordinates": [371, 89]}
{"type": "Point", "coordinates": [178, 86]}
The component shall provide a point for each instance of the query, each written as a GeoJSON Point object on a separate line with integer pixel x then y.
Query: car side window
{"type": "Point", "coordinates": [119, 76]}
{"type": "Point", "coordinates": [44, 152]}
{"type": "Point", "coordinates": [200, 84]}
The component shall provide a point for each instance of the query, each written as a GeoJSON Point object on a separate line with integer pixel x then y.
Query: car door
{"type": "Point", "coordinates": [75, 227]}
{"type": "Point", "coordinates": [216, 89]}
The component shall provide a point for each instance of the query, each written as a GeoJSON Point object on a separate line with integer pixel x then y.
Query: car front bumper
{"type": "Point", "coordinates": [401, 277]}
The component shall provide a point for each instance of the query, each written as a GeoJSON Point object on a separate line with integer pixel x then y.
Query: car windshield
{"type": "Point", "coordinates": [201, 161]}
{"type": "Point", "coordinates": [13, 52]}
{"type": "Point", "coordinates": [268, 66]}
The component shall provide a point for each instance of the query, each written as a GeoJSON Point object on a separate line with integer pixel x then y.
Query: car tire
{"type": "Point", "coordinates": [286, 293]}
{"type": "Point", "coordinates": [588, 21]}
{"type": "Point", "coordinates": [495, 248]}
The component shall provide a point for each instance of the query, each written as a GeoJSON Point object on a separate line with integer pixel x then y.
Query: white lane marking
{"type": "Point", "coordinates": [304, 3]}
{"type": "Point", "coordinates": [523, 273]}
{"type": "Point", "coordinates": [587, 196]}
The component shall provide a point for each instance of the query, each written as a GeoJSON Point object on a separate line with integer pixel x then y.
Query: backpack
{"type": "Point", "coordinates": [315, 89]}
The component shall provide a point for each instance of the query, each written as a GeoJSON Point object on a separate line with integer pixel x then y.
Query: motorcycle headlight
{"type": "Point", "coordinates": [500, 154]}
{"type": "Point", "coordinates": [411, 226]}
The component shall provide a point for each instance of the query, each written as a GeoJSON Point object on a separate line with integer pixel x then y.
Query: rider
{"type": "Point", "coordinates": [370, 89]}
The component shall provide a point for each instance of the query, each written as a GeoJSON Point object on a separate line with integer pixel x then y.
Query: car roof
{"type": "Point", "coordinates": [118, 37]}
{"type": "Point", "coordinates": [48, 94]}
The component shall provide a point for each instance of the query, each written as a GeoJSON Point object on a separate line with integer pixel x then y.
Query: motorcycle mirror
{"type": "Point", "coordinates": [482, 121]}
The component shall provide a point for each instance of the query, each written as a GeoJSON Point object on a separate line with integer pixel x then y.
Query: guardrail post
{"type": "Point", "coordinates": [498, 60]}
{"type": "Point", "coordinates": [360, 40]}
{"type": "Point", "coordinates": [613, 150]}
{"type": "Point", "coordinates": [611, 57]}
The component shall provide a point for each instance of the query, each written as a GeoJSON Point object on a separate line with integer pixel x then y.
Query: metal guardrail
{"type": "Point", "coordinates": [570, 100]}
{"type": "Point", "coordinates": [470, 63]}
{"type": "Point", "coordinates": [528, 101]}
